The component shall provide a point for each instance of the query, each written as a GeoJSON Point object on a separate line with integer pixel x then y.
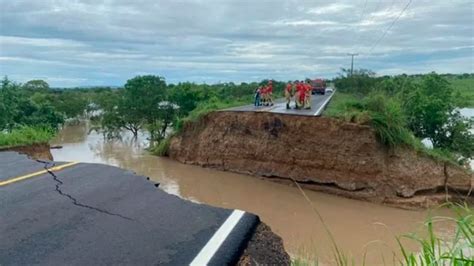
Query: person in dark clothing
{"type": "Point", "coordinates": [257, 96]}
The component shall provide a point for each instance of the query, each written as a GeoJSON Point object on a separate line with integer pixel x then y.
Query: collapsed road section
{"type": "Point", "coordinates": [77, 213]}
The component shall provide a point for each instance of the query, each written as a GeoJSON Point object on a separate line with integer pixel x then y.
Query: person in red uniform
{"type": "Point", "coordinates": [270, 92]}
{"type": "Point", "coordinates": [299, 98]}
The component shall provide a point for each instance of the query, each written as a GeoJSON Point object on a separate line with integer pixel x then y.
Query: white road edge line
{"type": "Point", "coordinates": [208, 251]}
{"type": "Point", "coordinates": [324, 104]}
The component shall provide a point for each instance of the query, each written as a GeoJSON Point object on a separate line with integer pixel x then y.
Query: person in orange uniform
{"type": "Point", "coordinates": [299, 98]}
{"type": "Point", "coordinates": [307, 94]}
{"type": "Point", "coordinates": [270, 92]}
{"type": "Point", "coordinates": [288, 94]}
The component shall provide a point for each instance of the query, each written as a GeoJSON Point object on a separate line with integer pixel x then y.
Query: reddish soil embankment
{"type": "Point", "coordinates": [322, 154]}
{"type": "Point", "coordinates": [39, 151]}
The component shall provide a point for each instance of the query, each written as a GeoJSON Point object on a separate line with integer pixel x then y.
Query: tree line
{"type": "Point", "coordinates": [422, 106]}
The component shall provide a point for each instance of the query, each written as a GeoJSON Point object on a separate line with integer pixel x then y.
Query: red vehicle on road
{"type": "Point", "coordinates": [319, 86]}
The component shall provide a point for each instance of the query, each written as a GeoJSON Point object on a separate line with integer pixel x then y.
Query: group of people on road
{"type": "Point", "coordinates": [264, 95]}
{"type": "Point", "coordinates": [302, 93]}
{"type": "Point", "coordinates": [299, 89]}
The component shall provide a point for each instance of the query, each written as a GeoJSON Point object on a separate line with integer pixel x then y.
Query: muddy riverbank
{"type": "Point", "coordinates": [323, 154]}
{"type": "Point", "coordinates": [359, 227]}
{"type": "Point", "coordinates": [39, 151]}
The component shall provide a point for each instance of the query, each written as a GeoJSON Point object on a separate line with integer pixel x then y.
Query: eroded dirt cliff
{"type": "Point", "coordinates": [39, 151]}
{"type": "Point", "coordinates": [321, 153]}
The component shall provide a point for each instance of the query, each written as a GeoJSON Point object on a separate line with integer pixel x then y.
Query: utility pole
{"type": "Point", "coordinates": [352, 61]}
{"type": "Point", "coordinates": [352, 68]}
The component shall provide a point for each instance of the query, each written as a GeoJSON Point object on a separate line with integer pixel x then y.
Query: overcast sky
{"type": "Point", "coordinates": [106, 42]}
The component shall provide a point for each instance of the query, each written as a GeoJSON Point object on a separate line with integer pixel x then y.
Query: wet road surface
{"type": "Point", "coordinates": [318, 102]}
{"type": "Point", "coordinates": [89, 214]}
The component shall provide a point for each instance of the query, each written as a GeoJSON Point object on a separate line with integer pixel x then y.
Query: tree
{"type": "Point", "coordinates": [71, 103]}
{"type": "Point", "coordinates": [140, 101]}
{"type": "Point", "coordinates": [138, 106]}
{"type": "Point", "coordinates": [36, 85]}
{"type": "Point", "coordinates": [9, 96]}
{"type": "Point", "coordinates": [455, 135]}
{"type": "Point", "coordinates": [428, 107]}
{"type": "Point", "coordinates": [186, 96]}
{"type": "Point", "coordinates": [18, 109]}
{"type": "Point", "coordinates": [361, 82]}
{"type": "Point", "coordinates": [431, 112]}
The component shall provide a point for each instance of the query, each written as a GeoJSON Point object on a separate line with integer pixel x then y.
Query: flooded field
{"type": "Point", "coordinates": [358, 227]}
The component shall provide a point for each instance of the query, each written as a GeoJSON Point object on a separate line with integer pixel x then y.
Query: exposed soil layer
{"type": "Point", "coordinates": [39, 151]}
{"type": "Point", "coordinates": [323, 154]}
{"type": "Point", "coordinates": [264, 248]}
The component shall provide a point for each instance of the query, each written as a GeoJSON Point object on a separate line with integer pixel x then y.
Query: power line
{"type": "Point", "coordinates": [380, 29]}
{"type": "Point", "coordinates": [360, 20]}
{"type": "Point", "coordinates": [390, 26]}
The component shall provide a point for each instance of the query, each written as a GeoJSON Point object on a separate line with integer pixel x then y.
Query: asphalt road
{"type": "Point", "coordinates": [318, 102]}
{"type": "Point", "coordinates": [89, 214]}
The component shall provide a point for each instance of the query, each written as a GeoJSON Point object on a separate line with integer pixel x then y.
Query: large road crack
{"type": "Point", "coordinates": [59, 183]}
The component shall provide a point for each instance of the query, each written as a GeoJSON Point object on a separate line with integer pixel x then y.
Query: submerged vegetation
{"type": "Point", "coordinates": [33, 112]}
{"type": "Point", "coordinates": [147, 103]}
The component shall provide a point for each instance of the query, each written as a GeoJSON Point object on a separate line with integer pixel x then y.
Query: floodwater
{"type": "Point", "coordinates": [358, 227]}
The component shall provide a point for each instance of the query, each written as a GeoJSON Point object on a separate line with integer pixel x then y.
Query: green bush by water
{"type": "Point", "coordinates": [25, 136]}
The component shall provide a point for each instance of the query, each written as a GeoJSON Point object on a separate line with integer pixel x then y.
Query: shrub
{"type": "Point", "coordinates": [25, 136]}
{"type": "Point", "coordinates": [388, 119]}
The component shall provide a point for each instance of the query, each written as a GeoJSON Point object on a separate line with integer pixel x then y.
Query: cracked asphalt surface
{"type": "Point", "coordinates": [99, 214]}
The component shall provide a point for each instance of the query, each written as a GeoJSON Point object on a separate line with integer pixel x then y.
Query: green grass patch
{"type": "Point", "coordinates": [204, 108]}
{"type": "Point", "coordinates": [463, 91]}
{"type": "Point", "coordinates": [25, 136]}
{"type": "Point", "coordinates": [340, 105]}
{"type": "Point", "coordinates": [378, 110]}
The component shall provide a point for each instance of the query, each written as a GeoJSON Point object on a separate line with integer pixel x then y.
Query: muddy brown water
{"type": "Point", "coordinates": [358, 227]}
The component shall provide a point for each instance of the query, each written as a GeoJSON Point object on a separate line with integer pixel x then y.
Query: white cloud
{"type": "Point", "coordinates": [45, 42]}
{"type": "Point", "coordinates": [106, 42]}
{"type": "Point", "coordinates": [329, 9]}
{"type": "Point", "coordinates": [304, 22]}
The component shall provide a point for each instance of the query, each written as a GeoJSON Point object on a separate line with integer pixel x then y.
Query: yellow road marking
{"type": "Point", "coordinates": [23, 177]}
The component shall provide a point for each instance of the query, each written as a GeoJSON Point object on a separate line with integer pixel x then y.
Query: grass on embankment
{"type": "Point", "coordinates": [25, 136]}
{"type": "Point", "coordinates": [385, 116]}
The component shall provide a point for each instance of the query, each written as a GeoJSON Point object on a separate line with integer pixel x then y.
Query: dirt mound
{"type": "Point", "coordinates": [321, 153]}
{"type": "Point", "coordinates": [264, 248]}
{"type": "Point", "coordinates": [39, 151]}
